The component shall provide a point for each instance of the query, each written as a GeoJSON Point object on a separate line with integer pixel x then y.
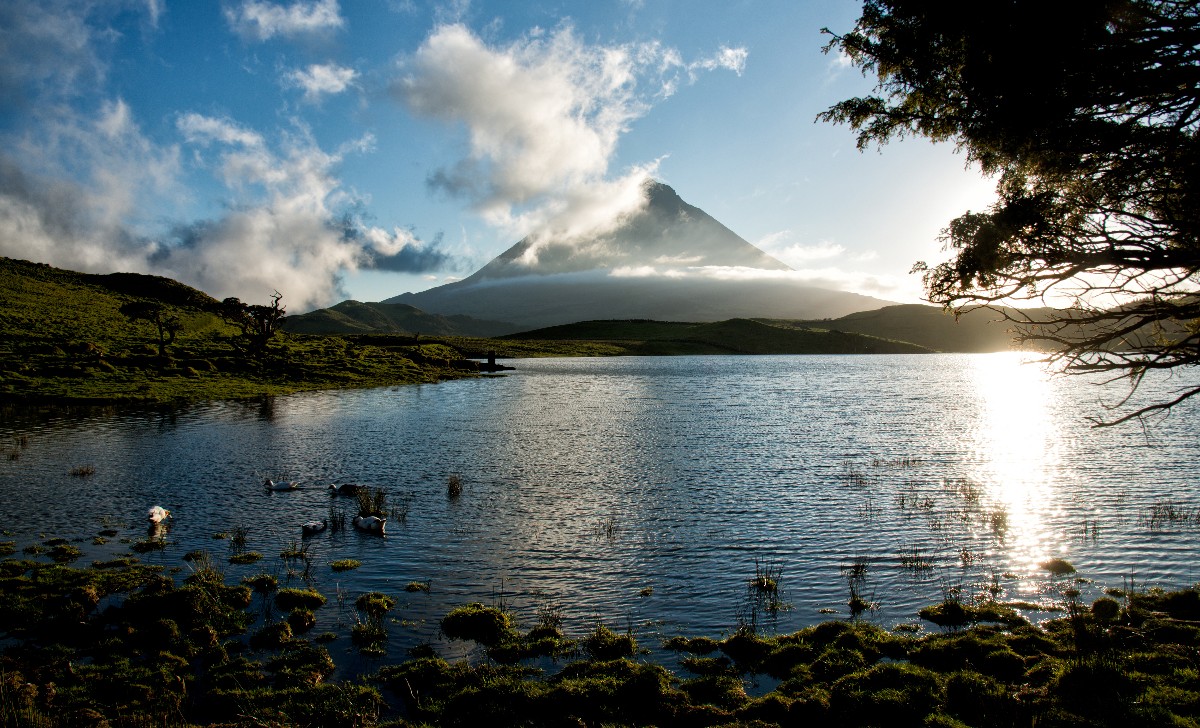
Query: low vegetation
{"type": "Point", "coordinates": [125, 643]}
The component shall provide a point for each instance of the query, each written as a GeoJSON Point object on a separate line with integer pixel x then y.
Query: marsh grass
{"type": "Point", "coordinates": [869, 510]}
{"type": "Point", "coordinates": [454, 486]}
{"type": "Point", "coordinates": [913, 559]}
{"type": "Point", "coordinates": [1169, 513]}
{"type": "Point", "coordinates": [997, 520]}
{"type": "Point", "coordinates": [371, 502]}
{"type": "Point", "coordinates": [82, 471]}
{"type": "Point", "coordinates": [237, 538]}
{"type": "Point", "coordinates": [853, 477]}
{"type": "Point", "coordinates": [609, 527]}
{"type": "Point", "coordinates": [337, 520]}
{"type": "Point", "coordinates": [296, 551]}
{"type": "Point", "coordinates": [399, 512]}
{"type": "Point", "coordinates": [345, 564]}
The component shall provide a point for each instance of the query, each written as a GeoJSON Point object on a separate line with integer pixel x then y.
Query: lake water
{"type": "Point", "coordinates": [645, 492]}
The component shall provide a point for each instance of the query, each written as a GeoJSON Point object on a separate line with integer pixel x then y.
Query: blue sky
{"type": "Point", "coordinates": [334, 150]}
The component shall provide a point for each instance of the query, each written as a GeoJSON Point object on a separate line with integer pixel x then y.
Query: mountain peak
{"type": "Point", "coordinates": [665, 232]}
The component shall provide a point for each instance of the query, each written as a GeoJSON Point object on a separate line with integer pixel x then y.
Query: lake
{"type": "Point", "coordinates": [644, 493]}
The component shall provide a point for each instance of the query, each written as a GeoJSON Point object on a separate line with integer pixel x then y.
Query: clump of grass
{"type": "Point", "coordinates": [261, 583]}
{"type": "Point", "coordinates": [371, 502]}
{"type": "Point", "coordinates": [148, 545]}
{"type": "Point", "coordinates": [1057, 567]}
{"type": "Point", "coordinates": [454, 486]}
{"type": "Point", "coordinates": [82, 471]}
{"type": "Point", "coordinates": [479, 623]}
{"type": "Point", "coordinates": [289, 599]}
{"type": "Point", "coordinates": [375, 604]}
{"type": "Point", "coordinates": [693, 645]}
{"type": "Point", "coordinates": [604, 644]}
{"type": "Point", "coordinates": [65, 552]}
{"type": "Point", "coordinates": [766, 578]}
{"type": "Point", "coordinates": [294, 551]}
{"type": "Point", "coordinates": [370, 633]}
{"type": "Point", "coordinates": [417, 586]}
{"type": "Point", "coordinates": [345, 564]}
{"type": "Point", "coordinates": [301, 619]}
{"type": "Point", "coordinates": [246, 557]}
{"type": "Point", "coordinates": [646, 591]}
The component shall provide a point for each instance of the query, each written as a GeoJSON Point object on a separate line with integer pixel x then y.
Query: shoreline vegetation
{"type": "Point", "coordinates": [70, 338]}
{"type": "Point", "coordinates": [125, 643]}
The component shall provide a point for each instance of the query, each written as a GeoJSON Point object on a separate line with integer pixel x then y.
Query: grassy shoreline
{"type": "Point", "coordinates": [122, 642]}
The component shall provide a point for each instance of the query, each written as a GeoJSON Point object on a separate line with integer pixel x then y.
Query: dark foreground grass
{"type": "Point", "coordinates": [126, 645]}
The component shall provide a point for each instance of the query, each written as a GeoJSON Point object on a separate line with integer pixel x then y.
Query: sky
{"type": "Point", "coordinates": [332, 150]}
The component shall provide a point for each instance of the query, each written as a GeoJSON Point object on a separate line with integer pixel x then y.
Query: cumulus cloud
{"type": "Point", "coordinates": [260, 20]}
{"type": "Point", "coordinates": [72, 196]}
{"type": "Point", "coordinates": [288, 232]}
{"type": "Point", "coordinates": [320, 79]}
{"type": "Point", "coordinates": [543, 116]}
{"type": "Point", "coordinates": [71, 193]}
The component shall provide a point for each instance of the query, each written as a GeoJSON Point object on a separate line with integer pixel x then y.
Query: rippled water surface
{"type": "Point", "coordinates": [645, 492]}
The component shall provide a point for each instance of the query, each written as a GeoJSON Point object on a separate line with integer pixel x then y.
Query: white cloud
{"type": "Point", "coordinates": [730, 59]}
{"type": "Point", "coordinates": [782, 245]}
{"type": "Point", "coordinates": [543, 117]}
{"type": "Point", "coordinates": [319, 79]}
{"type": "Point", "coordinates": [889, 287]}
{"type": "Point", "coordinates": [200, 129]}
{"type": "Point", "coordinates": [72, 192]}
{"type": "Point", "coordinates": [262, 20]}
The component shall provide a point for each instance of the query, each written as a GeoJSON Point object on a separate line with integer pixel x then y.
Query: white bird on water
{"type": "Point", "coordinates": [272, 485]}
{"type": "Point", "coordinates": [370, 524]}
{"type": "Point", "coordinates": [158, 514]}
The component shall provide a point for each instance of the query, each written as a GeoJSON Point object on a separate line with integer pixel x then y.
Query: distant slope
{"type": "Point", "coordinates": [355, 317]}
{"type": "Point", "coordinates": [735, 336]}
{"type": "Point", "coordinates": [539, 301]}
{"type": "Point", "coordinates": [928, 326]}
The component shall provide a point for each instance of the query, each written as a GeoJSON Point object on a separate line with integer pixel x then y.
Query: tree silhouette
{"type": "Point", "coordinates": [258, 324]}
{"type": "Point", "coordinates": [166, 324]}
{"type": "Point", "coordinates": [1086, 112]}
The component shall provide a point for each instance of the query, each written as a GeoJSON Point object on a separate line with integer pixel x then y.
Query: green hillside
{"type": "Point", "coordinates": [63, 338]}
{"type": "Point", "coordinates": [735, 336]}
{"type": "Point", "coordinates": [927, 326]}
{"type": "Point", "coordinates": [356, 317]}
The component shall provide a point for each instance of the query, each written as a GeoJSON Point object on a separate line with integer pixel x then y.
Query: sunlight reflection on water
{"type": "Point", "coordinates": [1017, 442]}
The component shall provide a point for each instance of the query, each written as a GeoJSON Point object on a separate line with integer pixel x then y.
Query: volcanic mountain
{"type": "Point", "coordinates": [669, 261]}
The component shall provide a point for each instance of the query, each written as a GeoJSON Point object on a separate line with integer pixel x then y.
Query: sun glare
{"type": "Point", "coordinates": [1016, 452]}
